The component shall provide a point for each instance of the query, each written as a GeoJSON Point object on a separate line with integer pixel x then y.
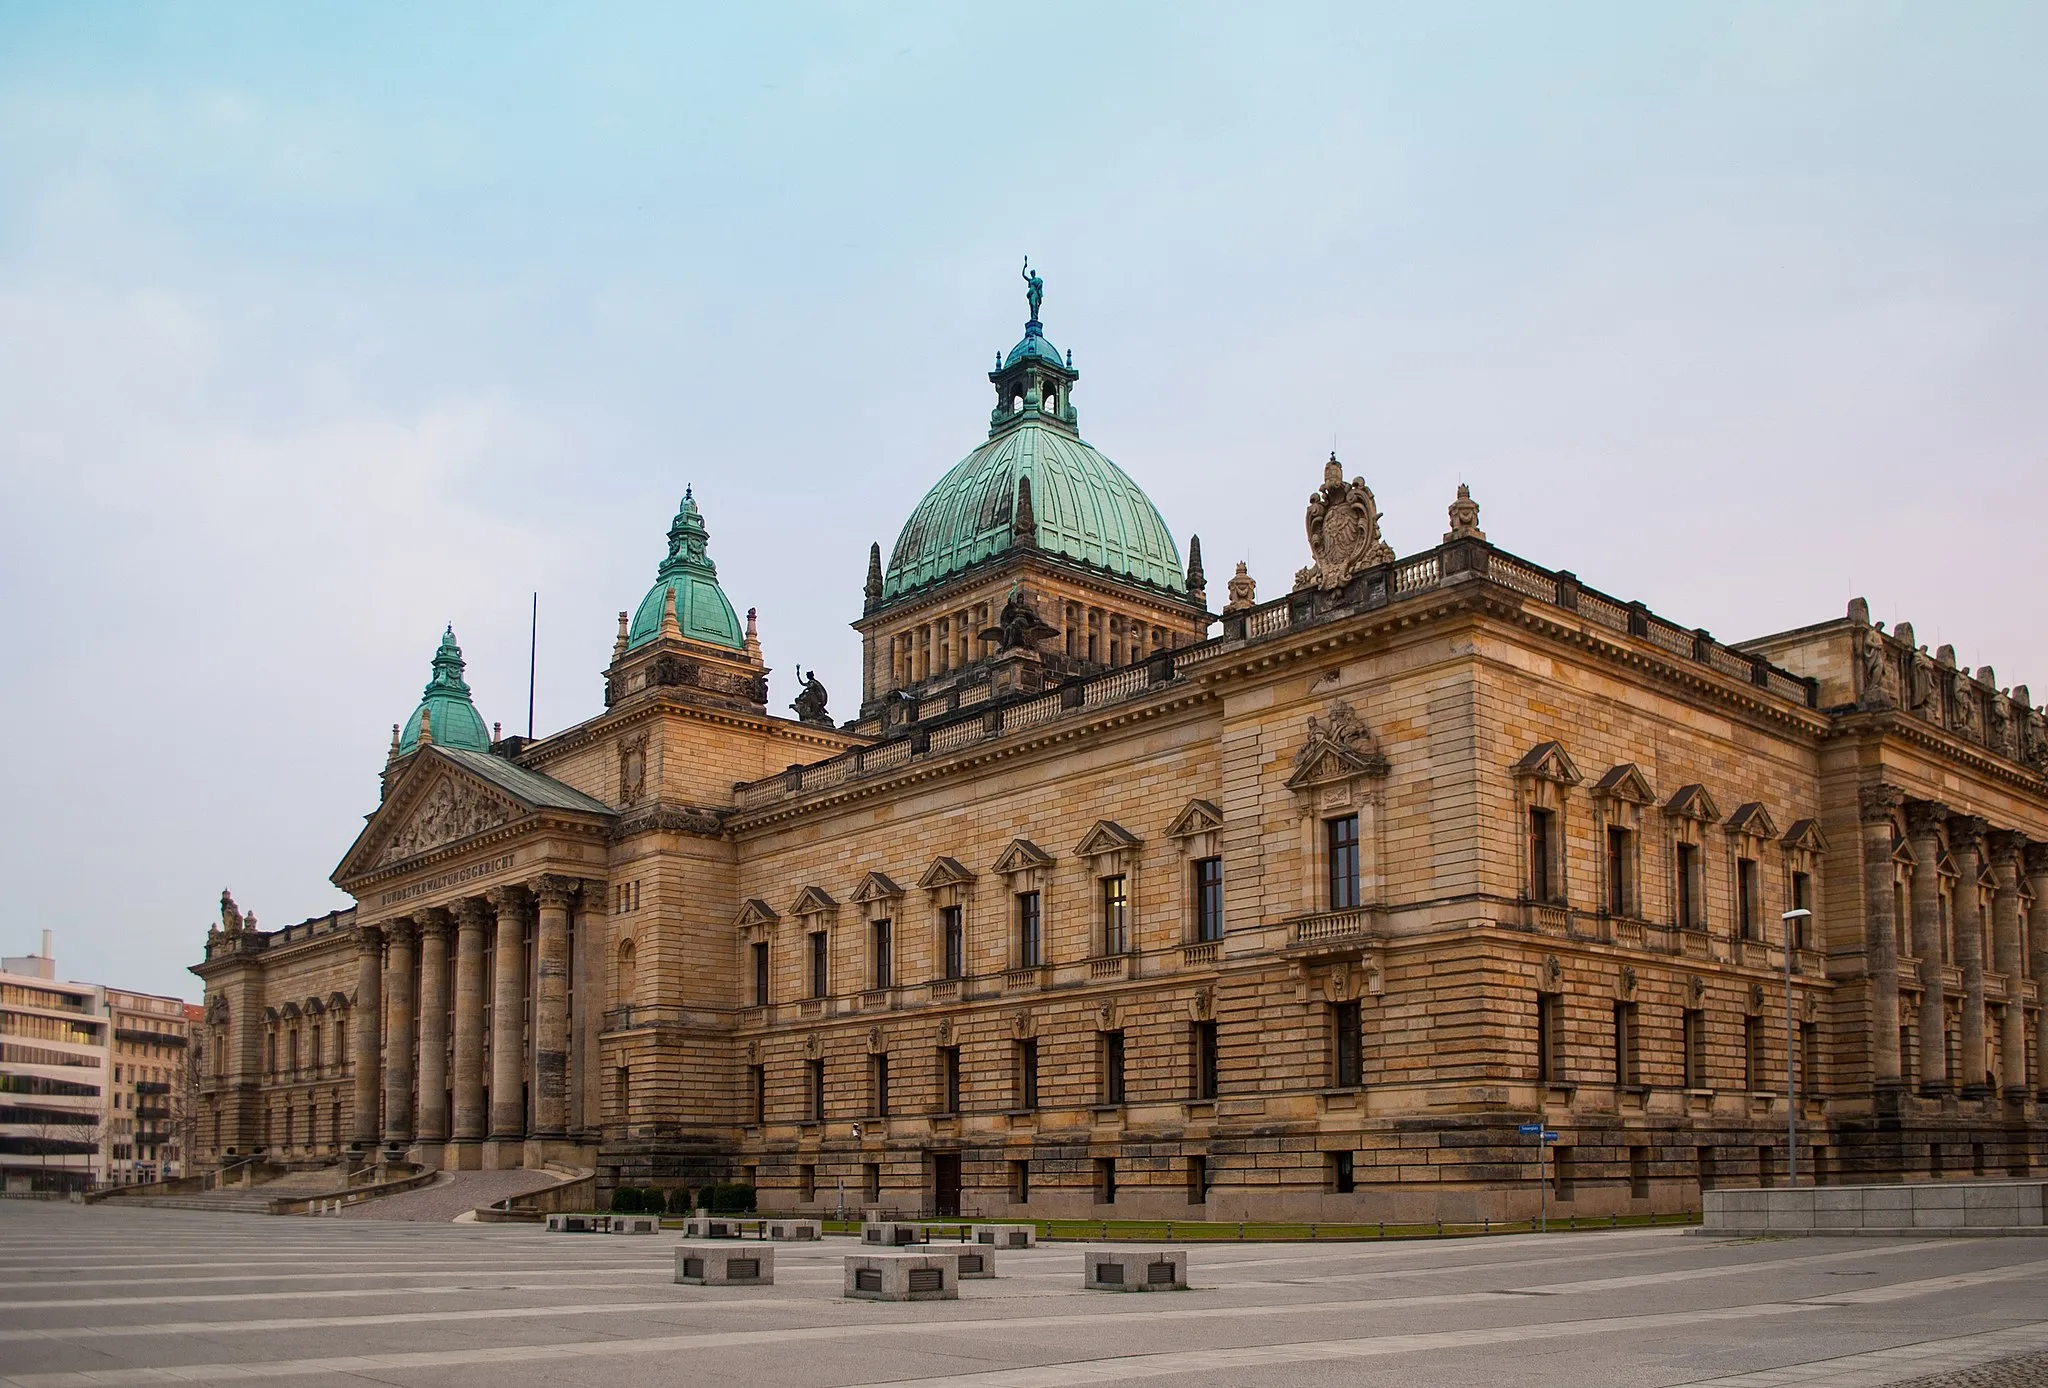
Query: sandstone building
{"type": "Point", "coordinates": [1099, 907]}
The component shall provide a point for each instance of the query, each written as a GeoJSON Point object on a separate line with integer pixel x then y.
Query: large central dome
{"type": "Point", "coordinates": [1085, 507]}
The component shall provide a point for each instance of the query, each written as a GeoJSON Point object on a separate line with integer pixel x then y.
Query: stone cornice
{"type": "Point", "coordinates": [611, 722]}
{"type": "Point", "coordinates": [1938, 741]}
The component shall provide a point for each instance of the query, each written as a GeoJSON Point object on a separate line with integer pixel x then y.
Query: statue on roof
{"type": "Point", "coordinates": [230, 916]}
{"type": "Point", "coordinates": [1034, 288]}
{"type": "Point", "coordinates": [1019, 628]}
{"type": "Point", "coordinates": [1343, 531]}
{"type": "Point", "coordinates": [809, 703]}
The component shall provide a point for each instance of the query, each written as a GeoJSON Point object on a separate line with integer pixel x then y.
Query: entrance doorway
{"type": "Point", "coordinates": [946, 1184]}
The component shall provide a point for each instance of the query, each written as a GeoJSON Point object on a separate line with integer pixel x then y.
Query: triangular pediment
{"type": "Point", "coordinates": [1693, 802]}
{"type": "Point", "coordinates": [876, 886]}
{"type": "Point", "coordinates": [811, 900]}
{"type": "Point", "coordinates": [754, 911]}
{"type": "Point", "coordinates": [944, 872]}
{"type": "Point", "coordinates": [1320, 763]}
{"type": "Point", "coordinates": [1022, 854]}
{"type": "Point", "coordinates": [1196, 817]}
{"type": "Point", "coordinates": [1106, 836]}
{"type": "Point", "coordinates": [1806, 834]}
{"type": "Point", "coordinates": [438, 803]}
{"type": "Point", "coordinates": [1549, 761]}
{"type": "Point", "coordinates": [1626, 782]}
{"type": "Point", "coordinates": [1753, 819]}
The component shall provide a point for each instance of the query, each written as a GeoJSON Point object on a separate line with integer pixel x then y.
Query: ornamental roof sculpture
{"type": "Point", "coordinates": [688, 579]}
{"type": "Point", "coordinates": [1343, 532]}
{"type": "Point", "coordinates": [445, 715]}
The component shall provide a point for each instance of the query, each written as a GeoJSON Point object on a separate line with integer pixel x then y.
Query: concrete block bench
{"type": "Point", "coordinates": [1006, 1235]}
{"type": "Point", "coordinates": [971, 1259]}
{"type": "Point", "coordinates": [1135, 1270]}
{"type": "Point", "coordinates": [635, 1224]}
{"type": "Point", "coordinates": [723, 1265]}
{"type": "Point", "coordinates": [709, 1227]}
{"type": "Point", "coordinates": [903, 1276]}
{"type": "Point", "coordinates": [893, 1235]}
{"type": "Point", "coordinates": [795, 1230]}
{"type": "Point", "coordinates": [578, 1223]}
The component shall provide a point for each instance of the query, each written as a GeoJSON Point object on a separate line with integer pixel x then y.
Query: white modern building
{"type": "Point", "coordinates": [54, 1077]}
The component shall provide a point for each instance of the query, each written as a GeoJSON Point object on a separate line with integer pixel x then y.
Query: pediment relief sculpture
{"type": "Point", "coordinates": [1196, 817]}
{"type": "Point", "coordinates": [1343, 532]}
{"type": "Point", "coordinates": [876, 886]}
{"type": "Point", "coordinates": [945, 872]}
{"type": "Point", "coordinates": [1339, 747]}
{"type": "Point", "coordinates": [1626, 782]}
{"type": "Point", "coordinates": [1754, 820]}
{"type": "Point", "coordinates": [450, 811]}
{"type": "Point", "coordinates": [1693, 802]}
{"type": "Point", "coordinates": [1548, 761]}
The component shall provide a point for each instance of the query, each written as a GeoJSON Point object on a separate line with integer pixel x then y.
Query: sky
{"type": "Point", "coordinates": [324, 325]}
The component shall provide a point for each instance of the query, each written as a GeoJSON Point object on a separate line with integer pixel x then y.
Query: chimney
{"type": "Point", "coordinates": [48, 953]}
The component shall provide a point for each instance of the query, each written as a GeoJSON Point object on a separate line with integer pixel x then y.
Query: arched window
{"type": "Point", "coordinates": [628, 974]}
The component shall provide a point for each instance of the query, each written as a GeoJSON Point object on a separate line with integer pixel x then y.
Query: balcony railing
{"type": "Point", "coordinates": [1331, 927]}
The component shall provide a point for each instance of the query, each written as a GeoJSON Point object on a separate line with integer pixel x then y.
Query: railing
{"type": "Point", "coordinates": [1030, 976]}
{"type": "Point", "coordinates": [943, 989]}
{"type": "Point", "coordinates": [1549, 920]}
{"type": "Point", "coordinates": [1110, 966]}
{"type": "Point", "coordinates": [965, 717]}
{"type": "Point", "coordinates": [1207, 952]}
{"type": "Point", "coordinates": [1326, 926]}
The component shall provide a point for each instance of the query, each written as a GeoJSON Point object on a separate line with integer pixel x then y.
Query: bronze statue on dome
{"type": "Point", "coordinates": [1034, 288]}
{"type": "Point", "coordinates": [809, 703]}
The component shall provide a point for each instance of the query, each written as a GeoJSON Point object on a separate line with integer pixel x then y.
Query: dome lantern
{"type": "Point", "coordinates": [689, 580]}
{"type": "Point", "coordinates": [445, 716]}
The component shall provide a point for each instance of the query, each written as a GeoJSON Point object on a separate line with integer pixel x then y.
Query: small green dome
{"type": "Point", "coordinates": [701, 607]}
{"type": "Point", "coordinates": [456, 722]}
{"type": "Point", "coordinates": [1085, 507]}
{"type": "Point", "coordinates": [1033, 346]}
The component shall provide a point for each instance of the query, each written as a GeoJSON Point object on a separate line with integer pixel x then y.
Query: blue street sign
{"type": "Point", "coordinates": [1550, 1137]}
{"type": "Point", "coordinates": [1530, 1129]}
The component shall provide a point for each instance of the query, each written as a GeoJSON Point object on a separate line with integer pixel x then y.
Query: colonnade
{"type": "Point", "coordinates": [403, 1041]}
{"type": "Point", "coordinates": [1972, 948]}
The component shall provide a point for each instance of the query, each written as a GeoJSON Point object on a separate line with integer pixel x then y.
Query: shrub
{"type": "Point", "coordinates": [730, 1199]}
{"type": "Point", "coordinates": [626, 1200]}
{"type": "Point", "coordinates": [679, 1201]}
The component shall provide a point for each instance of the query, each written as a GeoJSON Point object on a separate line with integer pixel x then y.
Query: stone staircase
{"type": "Point", "coordinates": [243, 1199]}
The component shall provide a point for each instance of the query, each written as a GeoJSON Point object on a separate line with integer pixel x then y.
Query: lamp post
{"type": "Point", "coordinates": [1799, 913]}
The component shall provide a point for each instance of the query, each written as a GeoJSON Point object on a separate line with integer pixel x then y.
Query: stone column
{"type": "Point", "coordinates": [508, 1017]}
{"type": "Point", "coordinates": [1924, 821]}
{"type": "Point", "coordinates": [2036, 862]}
{"type": "Point", "coordinates": [1877, 805]}
{"type": "Point", "coordinates": [433, 1107]}
{"type": "Point", "coordinates": [398, 1001]}
{"type": "Point", "coordinates": [2008, 959]}
{"type": "Point", "coordinates": [551, 1006]}
{"type": "Point", "coordinates": [473, 918]}
{"type": "Point", "coordinates": [1966, 847]}
{"type": "Point", "coordinates": [368, 1016]}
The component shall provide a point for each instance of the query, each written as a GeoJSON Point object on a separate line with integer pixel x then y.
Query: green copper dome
{"type": "Point", "coordinates": [455, 720]}
{"type": "Point", "coordinates": [701, 607]}
{"type": "Point", "coordinates": [1082, 505]}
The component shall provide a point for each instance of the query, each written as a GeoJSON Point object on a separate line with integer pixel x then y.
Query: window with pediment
{"type": "Point", "coordinates": [1544, 780]}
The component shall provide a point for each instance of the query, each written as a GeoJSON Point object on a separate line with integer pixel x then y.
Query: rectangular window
{"type": "Point", "coordinates": [814, 1074]}
{"type": "Point", "coordinates": [1802, 900]}
{"type": "Point", "coordinates": [949, 1079]}
{"type": "Point", "coordinates": [1112, 1051]}
{"type": "Point", "coordinates": [1809, 1058]}
{"type": "Point", "coordinates": [1561, 1173]}
{"type": "Point", "coordinates": [1766, 1167]}
{"type": "Point", "coordinates": [1027, 1073]}
{"type": "Point", "coordinates": [1703, 1163]}
{"type": "Point", "coordinates": [871, 1182]}
{"type": "Point", "coordinates": [1550, 1038]}
{"type": "Point", "coordinates": [1694, 1040]}
{"type": "Point", "coordinates": [1020, 1181]}
{"type": "Point", "coordinates": [1198, 1180]}
{"type": "Point", "coordinates": [1542, 855]}
{"type": "Point", "coordinates": [1345, 1027]}
{"type": "Point", "coordinates": [1343, 1174]}
{"type": "Point", "coordinates": [1625, 1069]}
{"type": "Point", "coordinates": [1030, 928]}
{"type": "Point", "coordinates": [1621, 872]}
{"type": "Point", "coordinates": [1208, 899]}
{"type": "Point", "coordinates": [1203, 1036]}
{"type": "Point", "coordinates": [1341, 837]}
{"type": "Point", "coordinates": [953, 942]}
{"type": "Point", "coordinates": [881, 945]}
{"type": "Point", "coordinates": [757, 1086]}
{"type": "Point", "coordinates": [1752, 1053]}
{"type": "Point", "coordinates": [1689, 916]}
{"type": "Point", "coordinates": [760, 953]}
{"type": "Point", "coordinates": [1639, 1173]}
{"type": "Point", "coordinates": [821, 964]}
{"type": "Point", "coordinates": [1116, 915]}
{"type": "Point", "coordinates": [878, 1084]}
{"type": "Point", "coordinates": [1747, 909]}
{"type": "Point", "coordinates": [1105, 1180]}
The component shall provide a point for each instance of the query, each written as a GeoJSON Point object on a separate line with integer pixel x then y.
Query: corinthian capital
{"type": "Point", "coordinates": [473, 912]}
{"type": "Point", "coordinates": [1966, 834]}
{"type": "Point", "coordinates": [554, 891]}
{"type": "Point", "coordinates": [402, 931]}
{"type": "Point", "coordinates": [369, 938]}
{"type": "Point", "coordinates": [1876, 804]}
{"type": "Point", "coordinates": [1925, 818]}
{"type": "Point", "coordinates": [434, 920]}
{"type": "Point", "coordinates": [508, 900]}
{"type": "Point", "coordinates": [2003, 847]}
{"type": "Point", "coordinates": [2035, 858]}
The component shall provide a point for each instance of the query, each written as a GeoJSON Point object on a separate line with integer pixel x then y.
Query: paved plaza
{"type": "Point", "coordinates": [107, 1296]}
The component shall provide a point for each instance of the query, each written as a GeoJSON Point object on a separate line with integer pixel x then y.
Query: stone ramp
{"type": "Point", "coordinates": [244, 1199]}
{"type": "Point", "coordinates": [453, 1193]}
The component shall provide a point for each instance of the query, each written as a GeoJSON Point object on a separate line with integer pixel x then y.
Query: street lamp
{"type": "Point", "coordinates": [1798, 913]}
